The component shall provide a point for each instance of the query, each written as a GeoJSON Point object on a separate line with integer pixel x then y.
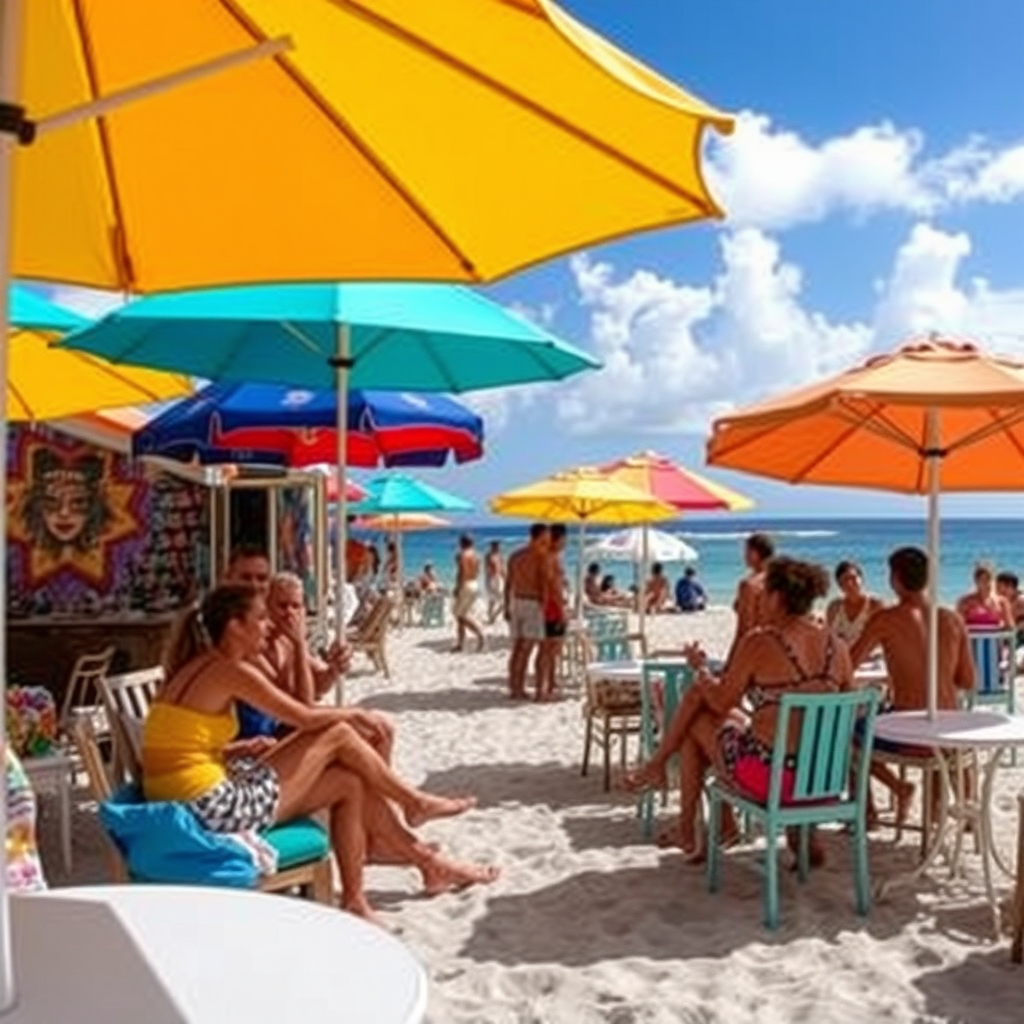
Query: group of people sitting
{"type": "Point", "coordinates": [242, 657]}
{"type": "Point", "coordinates": [727, 722]}
{"type": "Point", "coordinates": [600, 590]}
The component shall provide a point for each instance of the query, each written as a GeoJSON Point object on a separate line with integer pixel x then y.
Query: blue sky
{"type": "Point", "coordinates": [875, 189]}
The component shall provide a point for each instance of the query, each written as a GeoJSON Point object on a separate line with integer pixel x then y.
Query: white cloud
{"type": "Point", "coordinates": [676, 355]}
{"type": "Point", "coordinates": [772, 178]}
{"type": "Point", "coordinates": [88, 302]}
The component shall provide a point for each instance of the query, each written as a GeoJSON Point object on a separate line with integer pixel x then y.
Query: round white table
{"type": "Point", "coordinates": [988, 734]}
{"type": "Point", "coordinates": [175, 954]}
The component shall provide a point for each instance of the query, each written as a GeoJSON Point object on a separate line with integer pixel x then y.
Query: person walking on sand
{"type": "Point", "coordinates": [555, 616]}
{"type": "Point", "coordinates": [494, 580]}
{"type": "Point", "coordinates": [902, 633]}
{"type": "Point", "coordinates": [467, 590]}
{"type": "Point", "coordinates": [524, 586]}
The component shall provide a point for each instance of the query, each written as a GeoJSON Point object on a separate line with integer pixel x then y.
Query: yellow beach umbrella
{"type": "Point", "coordinates": [583, 496]}
{"type": "Point", "coordinates": [450, 139]}
{"type": "Point", "coordinates": [45, 383]}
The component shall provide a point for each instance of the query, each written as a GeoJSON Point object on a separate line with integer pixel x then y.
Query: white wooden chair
{"type": "Point", "coordinates": [127, 699]}
{"type": "Point", "coordinates": [88, 670]}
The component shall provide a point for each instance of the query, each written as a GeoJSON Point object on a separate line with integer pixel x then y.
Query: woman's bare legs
{"type": "Point", "coordinates": [652, 774]}
{"type": "Point", "coordinates": [342, 792]}
{"type": "Point", "coordinates": [308, 754]}
{"type": "Point", "coordinates": [391, 843]}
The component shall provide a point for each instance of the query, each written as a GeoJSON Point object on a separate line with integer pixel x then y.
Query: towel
{"type": "Point", "coordinates": [163, 842]}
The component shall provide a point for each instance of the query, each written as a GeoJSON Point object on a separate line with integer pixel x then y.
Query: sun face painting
{"type": "Point", "coordinates": [68, 508]}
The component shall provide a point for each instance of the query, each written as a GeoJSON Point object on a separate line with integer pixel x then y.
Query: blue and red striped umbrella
{"type": "Point", "coordinates": [270, 424]}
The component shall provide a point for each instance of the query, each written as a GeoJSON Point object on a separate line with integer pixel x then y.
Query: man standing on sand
{"type": "Point", "coordinates": [555, 615]}
{"type": "Point", "coordinates": [467, 590]}
{"type": "Point", "coordinates": [524, 587]}
{"type": "Point", "coordinates": [749, 604]}
{"type": "Point", "coordinates": [494, 579]}
{"type": "Point", "coordinates": [902, 633]}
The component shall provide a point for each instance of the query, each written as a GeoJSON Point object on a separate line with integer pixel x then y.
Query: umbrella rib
{"type": "Point", "coordinates": [20, 398]}
{"type": "Point", "coordinates": [406, 194]}
{"type": "Point", "coordinates": [111, 371]}
{"type": "Point", "coordinates": [119, 236]}
{"type": "Point", "coordinates": [703, 203]}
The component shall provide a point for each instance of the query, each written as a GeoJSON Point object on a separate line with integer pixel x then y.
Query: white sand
{"type": "Point", "coordinates": [589, 923]}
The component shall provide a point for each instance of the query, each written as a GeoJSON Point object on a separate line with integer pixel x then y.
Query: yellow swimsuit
{"type": "Point", "coordinates": [183, 751]}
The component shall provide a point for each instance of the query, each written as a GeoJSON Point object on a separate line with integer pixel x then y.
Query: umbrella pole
{"type": "Point", "coordinates": [641, 601]}
{"type": "Point", "coordinates": [580, 570]}
{"type": "Point", "coordinates": [342, 363]}
{"type": "Point", "coordinates": [323, 567]}
{"type": "Point", "coordinates": [10, 40]}
{"type": "Point", "coordinates": [933, 457]}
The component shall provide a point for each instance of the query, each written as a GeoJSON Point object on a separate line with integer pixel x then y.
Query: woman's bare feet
{"type": "Point", "coordinates": [443, 875]}
{"type": "Point", "coordinates": [360, 906]}
{"type": "Point", "coordinates": [429, 807]}
{"type": "Point", "coordinates": [647, 776]}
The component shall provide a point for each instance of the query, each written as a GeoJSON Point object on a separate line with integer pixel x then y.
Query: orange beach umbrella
{"type": "Point", "coordinates": [934, 415]}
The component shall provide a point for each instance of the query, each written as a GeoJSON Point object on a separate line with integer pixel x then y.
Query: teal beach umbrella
{"type": "Point", "coordinates": [397, 493]}
{"type": "Point", "coordinates": [392, 337]}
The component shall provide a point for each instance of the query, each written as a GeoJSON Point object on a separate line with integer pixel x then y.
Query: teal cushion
{"type": "Point", "coordinates": [301, 841]}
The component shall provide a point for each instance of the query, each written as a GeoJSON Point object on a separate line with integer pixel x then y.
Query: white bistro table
{"type": "Point", "coordinates": [989, 734]}
{"type": "Point", "coordinates": [181, 955]}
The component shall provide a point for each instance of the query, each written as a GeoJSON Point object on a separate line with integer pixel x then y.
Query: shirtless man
{"type": "Point", "coordinates": [287, 662]}
{"type": "Point", "coordinates": [467, 590]}
{"type": "Point", "coordinates": [524, 585]}
{"type": "Point", "coordinates": [749, 604]}
{"type": "Point", "coordinates": [555, 615]}
{"type": "Point", "coordinates": [902, 633]}
{"type": "Point", "coordinates": [494, 578]}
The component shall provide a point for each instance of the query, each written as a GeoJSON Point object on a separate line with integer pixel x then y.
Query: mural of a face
{"type": "Point", "coordinates": [65, 504]}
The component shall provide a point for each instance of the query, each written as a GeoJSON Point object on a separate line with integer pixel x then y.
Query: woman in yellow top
{"type": "Point", "coordinates": [190, 755]}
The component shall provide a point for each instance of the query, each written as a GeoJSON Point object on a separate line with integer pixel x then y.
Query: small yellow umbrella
{"type": "Point", "coordinates": [583, 496]}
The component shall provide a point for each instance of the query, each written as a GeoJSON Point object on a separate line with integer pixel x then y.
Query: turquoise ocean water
{"type": "Point", "coordinates": [719, 544]}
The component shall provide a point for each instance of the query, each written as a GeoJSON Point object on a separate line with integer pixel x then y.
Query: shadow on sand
{"type": "Point", "coordinates": [663, 912]}
{"type": "Point", "coordinates": [548, 784]}
{"type": "Point", "coordinates": [460, 700]}
{"type": "Point", "coordinates": [986, 988]}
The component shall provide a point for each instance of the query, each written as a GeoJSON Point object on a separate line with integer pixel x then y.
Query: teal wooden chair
{"type": "Point", "coordinates": [303, 847]}
{"type": "Point", "coordinates": [816, 790]}
{"type": "Point", "coordinates": [432, 609]}
{"type": "Point", "coordinates": [662, 686]}
{"type": "Point", "coordinates": [604, 623]}
{"type": "Point", "coordinates": [995, 670]}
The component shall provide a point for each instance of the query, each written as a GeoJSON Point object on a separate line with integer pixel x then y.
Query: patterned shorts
{"type": "Point", "coordinates": [246, 799]}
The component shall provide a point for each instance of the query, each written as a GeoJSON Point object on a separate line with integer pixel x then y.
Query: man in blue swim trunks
{"type": "Point", "coordinates": [901, 632]}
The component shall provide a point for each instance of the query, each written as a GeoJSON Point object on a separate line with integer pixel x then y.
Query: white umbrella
{"type": "Point", "coordinates": [628, 546]}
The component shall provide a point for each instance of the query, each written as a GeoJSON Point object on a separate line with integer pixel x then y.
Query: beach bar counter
{"type": "Point", "coordinates": [102, 552]}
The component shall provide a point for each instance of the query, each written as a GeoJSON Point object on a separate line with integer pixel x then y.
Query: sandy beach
{"type": "Point", "coordinates": [589, 923]}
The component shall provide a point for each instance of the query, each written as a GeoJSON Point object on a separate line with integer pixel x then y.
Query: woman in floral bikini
{"type": "Point", "coordinates": [793, 653]}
